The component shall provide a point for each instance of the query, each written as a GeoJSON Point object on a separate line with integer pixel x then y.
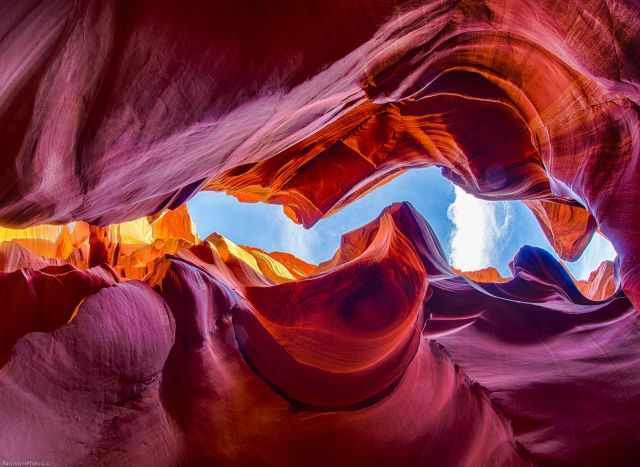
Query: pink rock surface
{"type": "Point", "coordinates": [315, 106]}
{"type": "Point", "coordinates": [382, 356]}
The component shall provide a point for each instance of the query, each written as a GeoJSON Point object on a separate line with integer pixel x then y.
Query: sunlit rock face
{"type": "Point", "coordinates": [127, 340]}
{"type": "Point", "coordinates": [601, 283]}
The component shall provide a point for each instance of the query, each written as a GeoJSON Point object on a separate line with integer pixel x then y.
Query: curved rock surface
{"type": "Point", "coordinates": [339, 100]}
{"type": "Point", "coordinates": [227, 355]}
{"type": "Point", "coordinates": [125, 340]}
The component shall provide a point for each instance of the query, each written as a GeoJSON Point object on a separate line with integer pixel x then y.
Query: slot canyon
{"type": "Point", "coordinates": [129, 338]}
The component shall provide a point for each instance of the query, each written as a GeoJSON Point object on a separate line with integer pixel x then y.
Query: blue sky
{"type": "Point", "coordinates": [474, 233]}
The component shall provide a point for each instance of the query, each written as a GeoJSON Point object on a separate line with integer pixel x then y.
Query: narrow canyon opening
{"type": "Point", "coordinates": [475, 234]}
{"type": "Point", "coordinates": [478, 238]}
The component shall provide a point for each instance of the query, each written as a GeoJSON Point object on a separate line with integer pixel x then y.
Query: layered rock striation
{"type": "Point", "coordinates": [114, 110]}
{"type": "Point", "coordinates": [228, 355]}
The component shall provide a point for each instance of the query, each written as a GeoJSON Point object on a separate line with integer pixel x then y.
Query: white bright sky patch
{"type": "Point", "coordinates": [474, 233]}
{"type": "Point", "coordinates": [297, 238]}
{"type": "Point", "coordinates": [478, 226]}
